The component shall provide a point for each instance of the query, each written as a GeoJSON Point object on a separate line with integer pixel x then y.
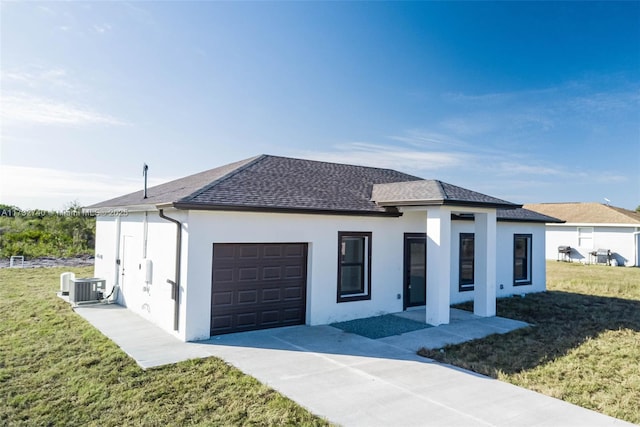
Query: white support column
{"type": "Point", "coordinates": [484, 303]}
{"type": "Point", "coordinates": [438, 265]}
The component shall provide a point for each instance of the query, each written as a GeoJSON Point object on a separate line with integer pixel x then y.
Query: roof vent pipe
{"type": "Point", "coordinates": [145, 169]}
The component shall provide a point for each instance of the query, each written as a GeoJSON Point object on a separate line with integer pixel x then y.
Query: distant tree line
{"type": "Point", "coordinates": [39, 233]}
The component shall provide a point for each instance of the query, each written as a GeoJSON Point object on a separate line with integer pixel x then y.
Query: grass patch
{"type": "Point", "coordinates": [56, 369]}
{"type": "Point", "coordinates": [380, 326]}
{"type": "Point", "coordinates": [584, 346]}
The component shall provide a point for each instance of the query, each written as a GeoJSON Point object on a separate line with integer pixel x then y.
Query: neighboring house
{"type": "Point", "coordinates": [589, 227]}
{"type": "Point", "coordinates": [274, 241]}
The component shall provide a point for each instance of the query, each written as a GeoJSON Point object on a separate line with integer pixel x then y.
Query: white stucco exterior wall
{"type": "Point", "coordinates": [620, 240]}
{"type": "Point", "coordinates": [201, 229]}
{"type": "Point", "coordinates": [321, 233]}
{"type": "Point", "coordinates": [150, 300]}
{"type": "Point", "coordinates": [106, 250]}
{"type": "Point", "coordinates": [504, 259]}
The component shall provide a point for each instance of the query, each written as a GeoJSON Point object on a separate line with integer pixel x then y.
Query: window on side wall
{"type": "Point", "coordinates": [585, 237]}
{"type": "Point", "coordinates": [521, 259]}
{"type": "Point", "coordinates": [467, 260]}
{"type": "Point", "coordinates": [354, 266]}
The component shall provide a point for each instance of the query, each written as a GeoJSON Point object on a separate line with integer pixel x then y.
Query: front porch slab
{"type": "Point", "coordinates": [463, 326]}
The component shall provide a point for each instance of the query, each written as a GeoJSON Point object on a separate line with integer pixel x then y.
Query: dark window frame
{"type": "Point", "coordinates": [366, 268]}
{"type": "Point", "coordinates": [527, 259]}
{"type": "Point", "coordinates": [464, 286]}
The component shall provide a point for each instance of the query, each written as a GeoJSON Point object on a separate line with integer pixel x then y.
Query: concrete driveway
{"type": "Point", "coordinates": [352, 380]}
{"type": "Point", "coordinates": [356, 381]}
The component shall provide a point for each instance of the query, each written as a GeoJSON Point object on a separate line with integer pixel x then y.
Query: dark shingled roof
{"type": "Point", "coordinates": [275, 183]}
{"type": "Point", "coordinates": [524, 215]}
{"type": "Point", "coordinates": [432, 192]}
{"type": "Point", "coordinates": [271, 183]}
{"type": "Point", "coordinates": [172, 191]}
{"type": "Point", "coordinates": [286, 183]}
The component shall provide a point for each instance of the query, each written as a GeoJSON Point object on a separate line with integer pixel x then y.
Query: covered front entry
{"type": "Point", "coordinates": [257, 286]}
{"type": "Point", "coordinates": [415, 269]}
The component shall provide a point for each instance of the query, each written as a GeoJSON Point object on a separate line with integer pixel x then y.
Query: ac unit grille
{"type": "Point", "coordinates": [83, 290]}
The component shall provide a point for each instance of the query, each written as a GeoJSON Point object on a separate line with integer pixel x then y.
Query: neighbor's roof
{"type": "Point", "coordinates": [280, 183]}
{"type": "Point", "coordinates": [586, 213]}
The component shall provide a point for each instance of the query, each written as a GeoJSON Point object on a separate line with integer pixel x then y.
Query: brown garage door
{"type": "Point", "coordinates": [257, 286]}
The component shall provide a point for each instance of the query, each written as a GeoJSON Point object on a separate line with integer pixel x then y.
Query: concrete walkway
{"type": "Point", "coordinates": [351, 380]}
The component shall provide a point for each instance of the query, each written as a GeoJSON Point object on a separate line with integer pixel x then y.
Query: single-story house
{"type": "Point", "coordinates": [589, 227]}
{"type": "Point", "coordinates": [272, 241]}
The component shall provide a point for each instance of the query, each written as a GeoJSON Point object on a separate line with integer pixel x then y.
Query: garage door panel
{"type": "Point", "coordinates": [247, 297]}
{"type": "Point", "coordinates": [222, 298]}
{"type": "Point", "coordinates": [248, 252]}
{"type": "Point", "coordinates": [271, 295]}
{"type": "Point", "coordinates": [295, 251]}
{"type": "Point", "coordinates": [273, 251]}
{"type": "Point", "coordinates": [259, 319]}
{"type": "Point", "coordinates": [270, 318]}
{"type": "Point", "coordinates": [294, 271]}
{"type": "Point", "coordinates": [225, 253]}
{"type": "Point", "coordinates": [223, 323]}
{"type": "Point", "coordinates": [293, 293]}
{"type": "Point", "coordinates": [257, 286]}
{"type": "Point", "coordinates": [247, 274]}
{"type": "Point", "coordinates": [271, 273]}
{"type": "Point", "coordinates": [247, 320]}
{"type": "Point", "coordinates": [223, 275]}
{"type": "Point", "coordinates": [292, 315]}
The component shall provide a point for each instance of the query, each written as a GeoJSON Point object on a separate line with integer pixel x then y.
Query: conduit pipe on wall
{"type": "Point", "coordinates": [636, 261]}
{"type": "Point", "coordinates": [175, 284]}
{"type": "Point", "coordinates": [116, 279]}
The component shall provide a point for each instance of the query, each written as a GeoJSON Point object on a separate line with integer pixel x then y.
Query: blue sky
{"type": "Point", "coordinates": [530, 102]}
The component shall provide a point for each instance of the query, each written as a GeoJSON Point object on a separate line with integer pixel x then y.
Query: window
{"type": "Point", "coordinates": [521, 259]}
{"type": "Point", "coordinates": [354, 266]}
{"type": "Point", "coordinates": [467, 259]}
{"type": "Point", "coordinates": [585, 237]}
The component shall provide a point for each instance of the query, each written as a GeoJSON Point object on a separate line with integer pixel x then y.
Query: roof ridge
{"type": "Point", "coordinates": [250, 162]}
{"type": "Point", "coordinates": [442, 190]}
{"type": "Point", "coordinates": [626, 212]}
{"type": "Point", "coordinates": [343, 164]}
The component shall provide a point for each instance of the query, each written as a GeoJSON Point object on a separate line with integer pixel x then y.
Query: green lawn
{"type": "Point", "coordinates": [584, 346]}
{"type": "Point", "coordinates": [56, 369]}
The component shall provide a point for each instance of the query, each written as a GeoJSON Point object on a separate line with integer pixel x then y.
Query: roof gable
{"type": "Point", "coordinates": [586, 213]}
{"type": "Point", "coordinates": [432, 192]}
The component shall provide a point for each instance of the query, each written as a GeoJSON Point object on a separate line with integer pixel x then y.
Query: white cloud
{"type": "Point", "coordinates": [46, 10]}
{"type": "Point", "coordinates": [424, 138]}
{"type": "Point", "coordinates": [37, 77]}
{"type": "Point", "coordinates": [45, 188]}
{"type": "Point", "coordinates": [101, 29]}
{"type": "Point", "coordinates": [391, 157]}
{"type": "Point", "coordinates": [517, 169]}
{"type": "Point", "coordinates": [605, 102]}
{"type": "Point", "coordinates": [34, 110]}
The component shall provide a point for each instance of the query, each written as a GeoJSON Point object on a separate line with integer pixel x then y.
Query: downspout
{"type": "Point", "coordinates": [118, 262]}
{"type": "Point", "coordinates": [636, 236]}
{"type": "Point", "coordinates": [175, 284]}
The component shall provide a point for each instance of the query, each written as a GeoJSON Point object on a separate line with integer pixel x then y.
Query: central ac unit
{"type": "Point", "coordinates": [86, 290]}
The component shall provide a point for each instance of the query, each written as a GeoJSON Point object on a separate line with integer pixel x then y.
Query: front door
{"type": "Point", "coordinates": [415, 269]}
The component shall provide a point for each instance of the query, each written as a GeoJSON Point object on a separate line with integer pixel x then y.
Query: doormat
{"type": "Point", "coordinates": [380, 326]}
